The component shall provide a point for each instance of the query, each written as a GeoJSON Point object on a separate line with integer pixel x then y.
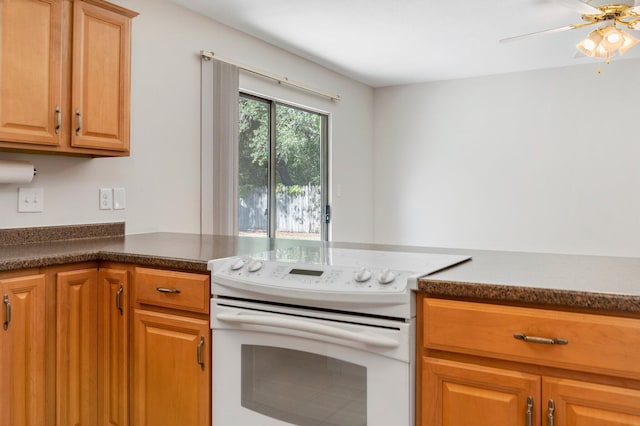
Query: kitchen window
{"type": "Point", "coordinates": [283, 169]}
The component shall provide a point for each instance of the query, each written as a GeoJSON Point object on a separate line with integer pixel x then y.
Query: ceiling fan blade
{"type": "Point", "coordinates": [551, 31]}
{"type": "Point", "coordinates": [580, 6]}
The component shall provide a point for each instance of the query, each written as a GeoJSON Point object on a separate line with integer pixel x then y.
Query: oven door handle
{"type": "Point", "coordinates": [311, 327]}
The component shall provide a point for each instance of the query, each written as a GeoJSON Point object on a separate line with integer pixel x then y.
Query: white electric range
{"type": "Point", "coordinates": [316, 336]}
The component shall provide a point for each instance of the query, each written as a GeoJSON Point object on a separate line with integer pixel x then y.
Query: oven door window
{"type": "Point", "coordinates": [303, 388]}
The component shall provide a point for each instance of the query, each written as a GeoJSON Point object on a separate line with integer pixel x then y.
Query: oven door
{"type": "Point", "coordinates": [276, 366]}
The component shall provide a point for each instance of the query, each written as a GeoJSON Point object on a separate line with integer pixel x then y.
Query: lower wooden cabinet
{"type": "Point", "coordinates": [22, 351]}
{"type": "Point", "coordinates": [470, 372]}
{"type": "Point", "coordinates": [459, 394]}
{"type": "Point", "coordinates": [74, 351]}
{"type": "Point", "coordinates": [171, 370]}
{"type": "Point", "coordinates": [171, 379]}
{"type": "Point", "coordinates": [92, 346]}
{"type": "Point", "coordinates": [577, 403]}
{"type": "Point", "coordinates": [76, 342]}
{"type": "Point", "coordinates": [113, 347]}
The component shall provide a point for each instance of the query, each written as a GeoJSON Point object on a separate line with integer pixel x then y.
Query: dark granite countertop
{"type": "Point", "coordinates": [583, 282]}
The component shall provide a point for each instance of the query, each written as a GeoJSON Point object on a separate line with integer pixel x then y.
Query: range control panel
{"type": "Point", "coordinates": [310, 277]}
{"type": "Point", "coordinates": [328, 277]}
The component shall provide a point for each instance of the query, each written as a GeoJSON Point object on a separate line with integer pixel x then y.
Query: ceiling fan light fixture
{"type": "Point", "coordinates": [604, 41]}
{"type": "Point", "coordinates": [590, 46]}
{"type": "Point", "coordinates": [603, 53]}
{"type": "Point", "coordinates": [612, 38]}
{"type": "Point", "coordinates": [628, 42]}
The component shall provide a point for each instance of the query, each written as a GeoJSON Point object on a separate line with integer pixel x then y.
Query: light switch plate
{"type": "Point", "coordinates": [119, 198]}
{"type": "Point", "coordinates": [30, 200]}
{"type": "Point", "coordinates": [106, 199]}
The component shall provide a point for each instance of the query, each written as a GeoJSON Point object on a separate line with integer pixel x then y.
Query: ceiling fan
{"type": "Point", "coordinates": [604, 41]}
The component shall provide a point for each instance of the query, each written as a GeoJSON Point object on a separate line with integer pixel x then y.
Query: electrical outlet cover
{"type": "Point", "coordinates": [30, 200]}
{"type": "Point", "coordinates": [106, 199]}
{"type": "Point", "coordinates": [119, 198]}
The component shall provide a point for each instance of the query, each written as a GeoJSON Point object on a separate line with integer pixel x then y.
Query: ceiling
{"type": "Point", "coordinates": [392, 42]}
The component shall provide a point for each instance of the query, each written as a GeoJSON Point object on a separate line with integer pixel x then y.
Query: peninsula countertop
{"type": "Point", "coordinates": [584, 282]}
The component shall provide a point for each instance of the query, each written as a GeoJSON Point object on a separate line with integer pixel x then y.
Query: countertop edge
{"type": "Point", "coordinates": [552, 298]}
{"type": "Point", "coordinates": [185, 265]}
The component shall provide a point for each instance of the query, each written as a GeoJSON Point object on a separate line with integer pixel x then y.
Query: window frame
{"type": "Point", "coordinates": [325, 216]}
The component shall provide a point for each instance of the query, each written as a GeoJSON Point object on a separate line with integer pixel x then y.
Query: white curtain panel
{"type": "Point", "coordinates": [219, 148]}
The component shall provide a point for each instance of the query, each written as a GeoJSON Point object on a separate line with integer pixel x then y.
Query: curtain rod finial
{"type": "Point", "coordinates": [206, 56]}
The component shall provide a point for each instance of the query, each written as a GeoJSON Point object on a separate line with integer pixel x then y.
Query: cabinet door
{"type": "Point", "coordinates": [588, 404]}
{"type": "Point", "coordinates": [30, 71]}
{"type": "Point", "coordinates": [171, 370]}
{"type": "Point", "coordinates": [101, 78]}
{"type": "Point", "coordinates": [113, 347]}
{"type": "Point", "coordinates": [76, 371]}
{"type": "Point", "coordinates": [22, 361]}
{"type": "Point", "coordinates": [459, 394]}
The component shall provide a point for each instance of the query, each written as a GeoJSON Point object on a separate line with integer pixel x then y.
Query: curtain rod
{"type": "Point", "coordinates": [207, 56]}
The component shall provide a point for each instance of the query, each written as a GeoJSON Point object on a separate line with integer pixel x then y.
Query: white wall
{"type": "Point", "coordinates": [161, 176]}
{"type": "Point", "coordinates": [538, 161]}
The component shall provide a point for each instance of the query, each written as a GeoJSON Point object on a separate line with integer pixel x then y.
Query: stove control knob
{"type": "Point", "coordinates": [386, 277]}
{"type": "Point", "coordinates": [255, 265]}
{"type": "Point", "coordinates": [237, 264]}
{"type": "Point", "coordinates": [362, 275]}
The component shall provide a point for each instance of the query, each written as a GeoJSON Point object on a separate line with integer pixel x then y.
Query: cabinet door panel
{"type": "Point", "coordinates": [458, 394]}
{"type": "Point", "coordinates": [113, 348]}
{"type": "Point", "coordinates": [30, 71]}
{"type": "Point", "coordinates": [589, 404]}
{"type": "Point", "coordinates": [76, 372]}
{"type": "Point", "coordinates": [22, 362]}
{"type": "Point", "coordinates": [170, 386]}
{"type": "Point", "coordinates": [101, 73]}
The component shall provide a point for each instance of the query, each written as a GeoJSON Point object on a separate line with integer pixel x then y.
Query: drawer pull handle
{"type": "Point", "coordinates": [542, 340]}
{"type": "Point", "coordinates": [168, 290]}
{"type": "Point", "coordinates": [7, 310]}
{"type": "Point", "coordinates": [119, 300]}
{"type": "Point", "coordinates": [552, 409]}
{"type": "Point", "coordinates": [529, 413]}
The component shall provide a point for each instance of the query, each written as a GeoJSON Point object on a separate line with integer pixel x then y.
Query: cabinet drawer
{"type": "Point", "coordinates": [177, 290]}
{"type": "Point", "coordinates": [594, 343]}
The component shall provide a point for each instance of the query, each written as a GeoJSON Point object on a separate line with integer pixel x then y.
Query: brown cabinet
{"type": "Point", "coordinates": [79, 344]}
{"type": "Point", "coordinates": [92, 344]}
{"type": "Point", "coordinates": [469, 394]}
{"type": "Point", "coordinates": [76, 342]}
{"type": "Point", "coordinates": [496, 365]}
{"type": "Point", "coordinates": [171, 349]}
{"type": "Point", "coordinates": [65, 76]}
{"type": "Point", "coordinates": [31, 72]}
{"type": "Point", "coordinates": [22, 350]}
{"type": "Point", "coordinates": [113, 346]}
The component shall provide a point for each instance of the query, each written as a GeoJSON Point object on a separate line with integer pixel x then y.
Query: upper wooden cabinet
{"type": "Point", "coordinates": [65, 76]}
